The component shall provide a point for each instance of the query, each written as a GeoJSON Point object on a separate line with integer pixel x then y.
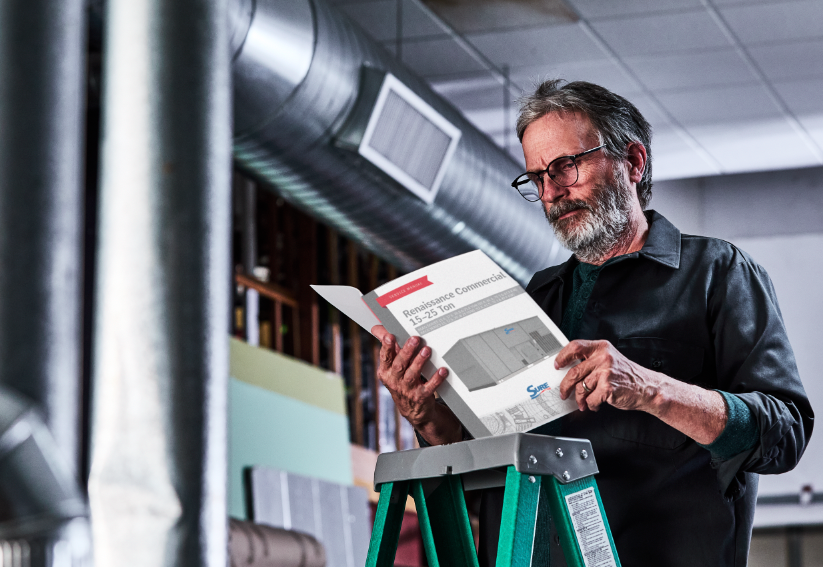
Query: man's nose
{"type": "Point", "coordinates": [551, 190]}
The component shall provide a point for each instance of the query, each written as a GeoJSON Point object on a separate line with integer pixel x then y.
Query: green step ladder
{"type": "Point", "coordinates": [544, 477]}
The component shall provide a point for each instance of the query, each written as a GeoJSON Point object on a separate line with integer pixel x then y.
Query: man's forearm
{"type": "Point", "coordinates": [442, 428]}
{"type": "Point", "coordinates": [696, 412]}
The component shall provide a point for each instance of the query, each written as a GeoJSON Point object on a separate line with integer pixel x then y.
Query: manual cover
{"type": "Point", "coordinates": [497, 343]}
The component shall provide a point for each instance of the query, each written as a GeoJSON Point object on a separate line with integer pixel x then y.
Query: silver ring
{"type": "Point", "coordinates": [588, 390]}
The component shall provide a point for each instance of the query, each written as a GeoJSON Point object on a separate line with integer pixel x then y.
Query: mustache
{"type": "Point", "coordinates": [566, 206]}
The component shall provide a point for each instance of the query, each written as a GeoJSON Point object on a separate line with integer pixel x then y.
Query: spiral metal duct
{"type": "Point", "coordinates": [296, 74]}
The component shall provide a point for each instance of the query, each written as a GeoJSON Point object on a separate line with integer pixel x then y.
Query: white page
{"type": "Point", "coordinates": [349, 301]}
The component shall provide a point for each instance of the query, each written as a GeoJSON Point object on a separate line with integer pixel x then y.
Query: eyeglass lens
{"type": "Point", "coordinates": [563, 171]}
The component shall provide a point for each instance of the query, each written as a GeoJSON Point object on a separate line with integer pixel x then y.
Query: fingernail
{"type": "Point", "coordinates": [556, 366]}
{"type": "Point", "coordinates": [414, 341]}
{"type": "Point", "coordinates": [387, 340]}
{"type": "Point", "coordinates": [426, 351]}
{"type": "Point", "coordinates": [443, 372]}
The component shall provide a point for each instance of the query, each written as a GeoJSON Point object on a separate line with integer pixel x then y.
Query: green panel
{"type": "Point", "coordinates": [519, 518]}
{"type": "Point", "coordinates": [557, 493]}
{"type": "Point", "coordinates": [388, 519]}
{"type": "Point", "coordinates": [273, 430]}
{"type": "Point", "coordinates": [447, 529]}
{"type": "Point", "coordinates": [287, 376]}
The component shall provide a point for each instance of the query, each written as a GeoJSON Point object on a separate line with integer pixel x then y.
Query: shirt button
{"type": "Point", "coordinates": [657, 363]}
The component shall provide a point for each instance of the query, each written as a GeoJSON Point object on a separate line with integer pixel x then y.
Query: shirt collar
{"type": "Point", "coordinates": [663, 243]}
{"type": "Point", "coordinates": [662, 246]}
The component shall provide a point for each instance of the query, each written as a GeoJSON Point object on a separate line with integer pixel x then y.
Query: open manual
{"type": "Point", "coordinates": [497, 343]}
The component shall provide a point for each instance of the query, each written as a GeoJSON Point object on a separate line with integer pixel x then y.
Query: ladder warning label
{"type": "Point", "coordinates": [589, 529]}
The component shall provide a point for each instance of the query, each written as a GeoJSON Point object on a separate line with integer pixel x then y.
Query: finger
{"type": "Point", "coordinates": [403, 357]}
{"type": "Point", "coordinates": [387, 351]}
{"type": "Point", "coordinates": [599, 395]}
{"type": "Point", "coordinates": [435, 381]}
{"type": "Point", "coordinates": [573, 377]}
{"type": "Point", "coordinates": [416, 366]}
{"type": "Point", "coordinates": [575, 350]}
{"type": "Point", "coordinates": [379, 331]}
{"type": "Point", "coordinates": [581, 394]}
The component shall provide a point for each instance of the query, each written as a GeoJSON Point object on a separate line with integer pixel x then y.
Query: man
{"type": "Point", "coordinates": [687, 386]}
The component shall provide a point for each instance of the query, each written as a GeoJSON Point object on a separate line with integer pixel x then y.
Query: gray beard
{"type": "Point", "coordinates": [605, 225]}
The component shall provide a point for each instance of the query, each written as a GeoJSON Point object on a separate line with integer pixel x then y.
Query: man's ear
{"type": "Point", "coordinates": [636, 156]}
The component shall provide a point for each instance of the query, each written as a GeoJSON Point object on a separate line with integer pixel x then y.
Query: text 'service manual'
{"type": "Point", "coordinates": [497, 343]}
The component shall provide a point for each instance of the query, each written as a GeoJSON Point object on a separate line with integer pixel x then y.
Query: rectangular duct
{"type": "Point", "coordinates": [402, 135]}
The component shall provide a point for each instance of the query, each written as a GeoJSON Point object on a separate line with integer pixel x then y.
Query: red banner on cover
{"type": "Point", "coordinates": [403, 291]}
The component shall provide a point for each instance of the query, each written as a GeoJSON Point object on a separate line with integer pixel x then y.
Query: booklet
{"type": "Point", "coordinates": [497, 343]}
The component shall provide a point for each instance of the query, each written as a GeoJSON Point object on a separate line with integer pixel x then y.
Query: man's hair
{"type": "Point", "coordinates": [616, 121]}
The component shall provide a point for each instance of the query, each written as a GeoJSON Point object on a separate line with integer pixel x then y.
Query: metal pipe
{"type": "Point", "coordinates": [256, 545]}
{"type": "Point", "coordinates": [296, 82]}
{"type": "Point", "coordinates": [44, 516]}
{"type": "Point", "coordinates": [157, 484]}
{"type": "Point", "coordinates": [42, 71]}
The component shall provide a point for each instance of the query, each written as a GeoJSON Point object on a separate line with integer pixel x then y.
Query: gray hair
{"type": "Point", "coordinates": [616, 121]}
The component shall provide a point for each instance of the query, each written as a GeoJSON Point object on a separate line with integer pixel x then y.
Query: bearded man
{"type": "Point", "coordinates": [687, 385]}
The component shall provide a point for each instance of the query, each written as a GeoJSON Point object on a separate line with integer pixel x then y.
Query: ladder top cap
{"type": "Point", "coordinates": [564, 458]}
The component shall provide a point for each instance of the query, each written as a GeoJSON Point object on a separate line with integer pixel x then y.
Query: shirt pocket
{"type": "Point", "coordinates": [675, 359]}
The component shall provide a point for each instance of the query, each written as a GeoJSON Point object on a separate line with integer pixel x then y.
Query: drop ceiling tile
{"type": "Point", "coordinates": [603, 72]}
{"type": "Point", "coordinates": [661, 33]}
{"type": "Point", "coordinates": [489, 15]}
{"type": "Point", "coordinates": [537, 46]}
{"type": "Point", "coordinates": [436, 57]}
{"type": "Point", "coordinates": [813, 124]}
{"type": "Point", "coordinates": [651, 111]}
{"type": "Point", "coordinates": [592, 9]}
{"type": "Point", "coordinates": [803, 96]}
{"type": "Point", "coordinates": [719, 105]}
{"type": "Point", "coordinates": [674, 158]}
{"type": "Point", "coordinates": [790, 60]}
{"type": "Point", "coordinates": [776, 22]}
{"type": "Point", "coordinates": [755, 145]}
{"type": "Point", "coordinates": [379, 19]}
{"type": "Point", "coordinates": [489, 120]}
{"type": "Point", "coordinates": [692, 70]}
{"type": "Point", "coordinates": [375, 18]}
{"type": "Point", "coordinates": [482, 98]}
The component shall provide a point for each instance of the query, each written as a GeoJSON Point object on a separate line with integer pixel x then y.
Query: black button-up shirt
{"type": "Point", "coordinates": [702, 311]}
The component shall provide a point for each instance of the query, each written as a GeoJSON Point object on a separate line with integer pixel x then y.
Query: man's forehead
{"type": "Point", "coordinates": [558, 133]}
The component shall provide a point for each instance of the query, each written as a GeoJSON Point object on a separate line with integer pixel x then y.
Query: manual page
{"type": "Point", "coordinates": [497, 343]}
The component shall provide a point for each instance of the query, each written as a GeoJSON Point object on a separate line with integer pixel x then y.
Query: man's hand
{"type": "Point", "coordinates": [604, 375]}
{"type": "Point", "coordinates": [400, 371]}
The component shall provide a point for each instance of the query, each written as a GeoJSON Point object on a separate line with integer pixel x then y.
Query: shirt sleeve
{"type": "Point", "coordinates": [755, 362]}
{"type": "Point", "coordinates": [740, 433]}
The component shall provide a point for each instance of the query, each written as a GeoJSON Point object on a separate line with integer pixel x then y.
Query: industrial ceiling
{"type": "Point", "coordinates": [729, 85]}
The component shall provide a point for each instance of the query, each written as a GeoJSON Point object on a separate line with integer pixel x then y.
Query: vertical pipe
{"type": "Point", "coordinates": [157, 486]}
{"type": "Point", "coordinates": [42, 71]}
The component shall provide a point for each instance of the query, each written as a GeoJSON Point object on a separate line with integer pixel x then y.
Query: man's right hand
{"type": "Point", "coordinates": [400, 371]}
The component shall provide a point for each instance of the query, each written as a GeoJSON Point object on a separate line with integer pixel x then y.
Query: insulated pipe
{"type": "Point", "coordinates": [42, 71]}
{"type": "Point", "coordinates": [157, 485]}
{"type": "Point", "coordinates": [256, 545]}
{"type": "Point", "coordinates": [296, 80]}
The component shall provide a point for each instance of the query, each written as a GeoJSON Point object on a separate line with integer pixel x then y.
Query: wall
{"type": "Point", "coordinates": [777, 217]}
{"type": "Point", "coordinates": [285, 414]}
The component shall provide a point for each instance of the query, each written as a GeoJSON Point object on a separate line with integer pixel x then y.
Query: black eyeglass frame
{"type": "Point", "coordinates": [539, 174]}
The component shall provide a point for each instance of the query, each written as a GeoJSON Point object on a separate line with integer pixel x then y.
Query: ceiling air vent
{"type": "Point", "coordinates": [404, 136]}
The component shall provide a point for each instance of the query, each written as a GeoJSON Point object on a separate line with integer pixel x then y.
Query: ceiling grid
{"type": "Point", "coordinates": [728, 85]}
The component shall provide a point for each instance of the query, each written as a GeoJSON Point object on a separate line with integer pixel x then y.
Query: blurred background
{"type": "Point", "coordinates": [174, 175]}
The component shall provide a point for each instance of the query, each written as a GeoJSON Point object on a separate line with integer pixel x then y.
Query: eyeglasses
{"type": "Point", "coordinates": [563, 171]}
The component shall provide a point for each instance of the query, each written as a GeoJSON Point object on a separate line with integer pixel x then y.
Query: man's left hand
{"type": "Point", "coordinates": [604, 375]}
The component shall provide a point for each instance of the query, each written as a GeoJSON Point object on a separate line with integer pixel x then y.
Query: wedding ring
{"type": "Point", "coordinates": [588, 390]}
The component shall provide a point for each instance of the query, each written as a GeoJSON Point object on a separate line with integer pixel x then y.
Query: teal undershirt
{"type": "Point", "coordinates": [741, 432]}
